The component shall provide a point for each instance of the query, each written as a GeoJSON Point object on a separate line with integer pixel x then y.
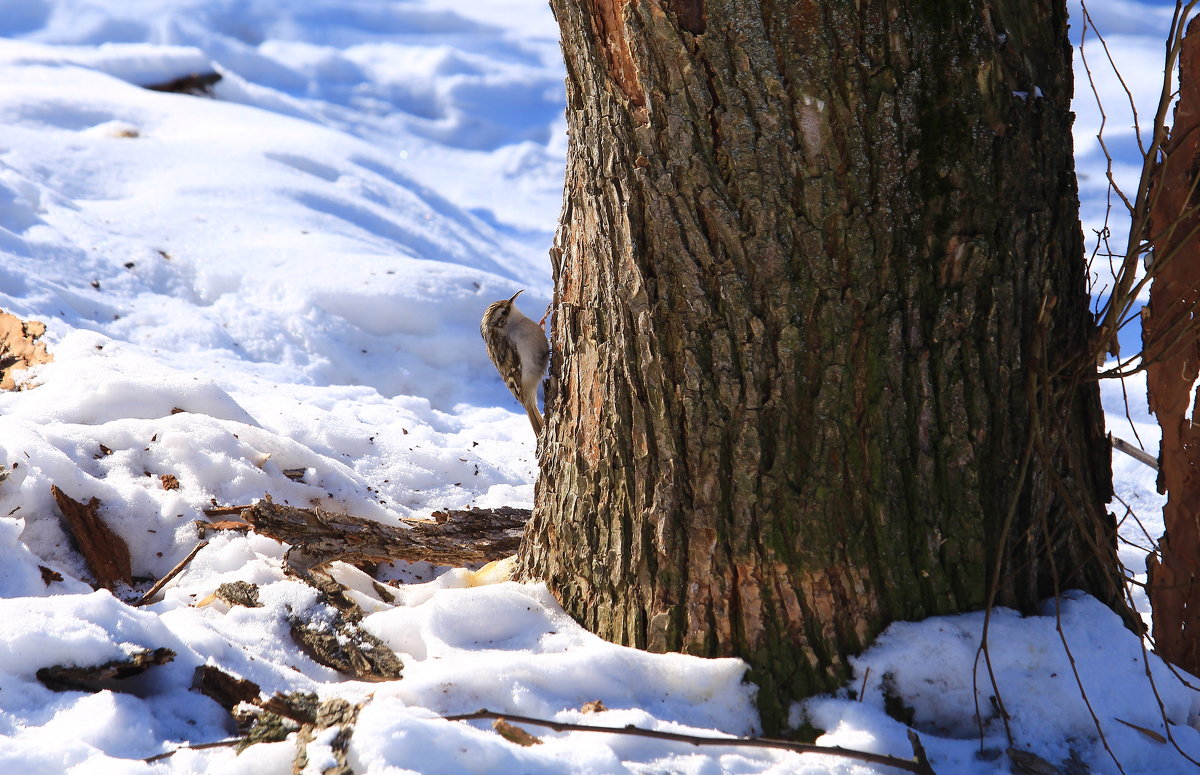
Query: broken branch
{"type": "Point", "coordinates": [158, 585]}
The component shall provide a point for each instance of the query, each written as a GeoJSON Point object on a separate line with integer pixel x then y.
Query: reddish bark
{"type": "Point", "coordinates": [1172, 350]}
{"type": "Point", "coordinates": [105, 552]}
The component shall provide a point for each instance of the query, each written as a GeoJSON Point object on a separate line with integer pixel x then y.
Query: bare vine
{"type": "Point", "coordinates": [1138, 265]}
{"type": "Point", "coordinates": [1133, 269]}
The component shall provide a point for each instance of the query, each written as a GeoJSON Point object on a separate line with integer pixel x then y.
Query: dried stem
{"type": "Point", "coordinates": [919, 764]}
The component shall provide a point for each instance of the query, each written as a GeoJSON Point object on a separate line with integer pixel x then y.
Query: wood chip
{"type": "Point", "coordinates": [241, 593]}
{"type": "Point", "coordinates": [169, 482]}
{"type": "Point", "coordinates": [514, 734]}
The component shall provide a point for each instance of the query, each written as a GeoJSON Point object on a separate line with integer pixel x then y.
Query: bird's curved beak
{"type": "Point", "coordinates": [515, 295]}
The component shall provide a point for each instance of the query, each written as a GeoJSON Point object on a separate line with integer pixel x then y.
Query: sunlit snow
{"type": "Point", "coordinates": [290, 277]}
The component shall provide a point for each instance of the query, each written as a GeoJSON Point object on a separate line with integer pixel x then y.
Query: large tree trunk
{"type": "Point", "coordinates": [819, 280]}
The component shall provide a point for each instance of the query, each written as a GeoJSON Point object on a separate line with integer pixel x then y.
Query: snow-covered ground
{"type": "Point", "coordinates": [299, 266]}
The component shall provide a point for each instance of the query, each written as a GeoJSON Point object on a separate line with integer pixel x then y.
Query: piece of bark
{"type": "Point", "coordinates": [195, 84]}
{"type": "Point", "coordinates": [338, 643]}
{"type": "Point", "coordinates": [109, 675]}
{"type": "Point", "coordinates": [1171, 352]}
{"type": "Point", "coordinates": [169, 481]}
{"type": "Point", "coordinates": [330, 633]}
{"type": "Point", "coordinates": [300, 707]}
{"type": "Point", "coordinates": [49, 575]}
{"type": "Point", "coordinates": [320, 537]}
{"type": "Point", "coordinates": [19, 347]}
{"type": "Point", "coordinates": [334, 712]}
{"type": "Point", "coordinates": [105, 552]}
{"type": "Point", "coordinates": [226, 690]}
{"type": "Point", "coordinates": [241, 593]}
{"type": "Point", "coordinates": [271, 720]}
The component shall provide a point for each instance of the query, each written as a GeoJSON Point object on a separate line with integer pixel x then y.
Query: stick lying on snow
{"type": "Point", "coordinates": [918, 764]}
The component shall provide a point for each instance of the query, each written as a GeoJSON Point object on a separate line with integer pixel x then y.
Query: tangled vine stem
{"type": "Point", "coordinates": [1152, 247]}
{"type": "Point", "coordinates": [1130, 279]}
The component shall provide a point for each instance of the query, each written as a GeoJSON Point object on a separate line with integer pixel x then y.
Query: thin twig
{"type": "Point", "coordinates": [1057, 483]}
{"type": "Point", "coordinates": [1162, 708]}
{"type": "Point", "coordinates": [193, 747]}
{"type": "Point", "coordinates": [158, 585]}
{"type": "Point", "coordinates": [862, 692]}
{"type": "Point", "coordinates": [920, 764]}
{"type": "Point", "coordinates": [1141, 456]}
{"type": "Point", "coordinates": [223, 511]}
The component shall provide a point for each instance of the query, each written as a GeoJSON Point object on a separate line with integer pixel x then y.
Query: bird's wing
{"type": "Point", "coordinates": [501, 351]}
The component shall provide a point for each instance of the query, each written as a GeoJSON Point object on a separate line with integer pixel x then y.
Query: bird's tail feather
{"type": "Point", "coordinates": [535, 418]}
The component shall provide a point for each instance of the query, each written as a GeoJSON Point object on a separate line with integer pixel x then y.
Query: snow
{"type": "Point", "coordinates": [290, 276]}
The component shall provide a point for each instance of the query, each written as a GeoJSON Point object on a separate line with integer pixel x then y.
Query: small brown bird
{"type": "Point", "coordinates": [519, 351]}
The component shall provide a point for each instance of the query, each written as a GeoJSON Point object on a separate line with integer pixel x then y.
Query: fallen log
{"type": "Point", "coordinates": [319, 537]}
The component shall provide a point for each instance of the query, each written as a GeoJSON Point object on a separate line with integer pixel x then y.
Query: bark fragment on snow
{"type": "Point", "coordinates": [330, 634]}
{"type": "Point", "coordinates": [226, 690]}
{"type": "Point", "coordinates": [241, 593]}
{"type": "Point", "coordinates": [273, 719]}
{"type": "Point", "coordinates": [109, 675]}
{"type": "Point", "coordinates": [20, 347]}
{"type": "Point", "coordinates": [49, 575]}
{"type": "Point", "coordinates": [334, 712]}
{"type": "Point", "coordinates": [105, 552]}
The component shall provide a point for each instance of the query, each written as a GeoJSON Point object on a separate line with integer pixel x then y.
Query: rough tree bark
{"type": "Point", "coordinates": [1171, 349]}
{"type": "Point", "coordinates": [818, 282]}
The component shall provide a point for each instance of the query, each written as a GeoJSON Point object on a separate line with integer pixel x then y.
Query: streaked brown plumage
{"type": "Point", "coordinates": [520, 352]}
